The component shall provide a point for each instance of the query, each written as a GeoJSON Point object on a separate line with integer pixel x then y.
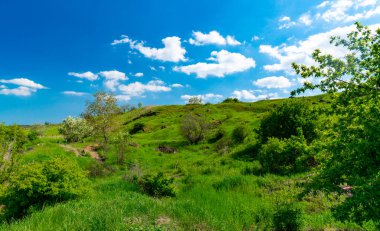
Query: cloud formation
{"type": "Point", "coordinates": [248, 95]}
{"type": "Point", "coordinates": [113, 78]}
{"type": "Point", "coordinates": [138, 88]}
{"type": "Point", "coordinates": [273, 82]}
{"type": "Point", "coordinates": [85, 75]}
{"type": "Point", "coordinates": [74, 93]}
{"type": "Point", "coordinates": [25, 87]}
{"type": "Point", "coordinates": [213, 37]}
{"type": "Point", "coordinates": [223, 63]}
{"type": "Point", "coordinates": [171, 52]}
{"type": "Point", "coordinates": [210, 97]}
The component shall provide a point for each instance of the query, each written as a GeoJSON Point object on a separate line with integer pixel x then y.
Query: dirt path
{"type": "Point", "coordinates": [91, 150]}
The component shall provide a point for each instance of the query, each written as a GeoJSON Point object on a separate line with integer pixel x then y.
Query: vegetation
{"type": "Point", "coordinates": [75, 129]}
{"type": "Point", "coordinates": [305, 163]}
{"type": "Point", "coordinates": [195, 100]}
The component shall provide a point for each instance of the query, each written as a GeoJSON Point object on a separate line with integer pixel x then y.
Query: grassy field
{"type": "Point", "coordinates": [215, 189]}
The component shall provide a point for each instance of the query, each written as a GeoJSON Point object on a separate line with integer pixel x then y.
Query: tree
{"type": "Point", "coordinates": [352, 153]}
{"type": "Point", "coordinates": [195, 100]}
{"type": "Point", "coordinates": [75, 129]}
{"type": "Point", "coordinates": [285, 120]}
{"type": "Point", "coordinates": [194, 128]}
{"type": "Point", "coordinates": [100, 114]}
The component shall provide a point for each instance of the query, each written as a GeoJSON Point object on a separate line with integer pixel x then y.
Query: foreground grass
{"type": "Point", "coordinates": [213, 191]}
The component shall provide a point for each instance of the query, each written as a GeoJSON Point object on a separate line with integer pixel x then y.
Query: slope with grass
{"type": "Point", "coordinates": [217, 182]}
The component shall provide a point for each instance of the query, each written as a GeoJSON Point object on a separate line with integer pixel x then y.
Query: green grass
{"type": "Point", "coordinates": [214, 192]}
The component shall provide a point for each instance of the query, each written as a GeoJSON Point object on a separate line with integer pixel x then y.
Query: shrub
{"type": "Point", "coordinates": [137, 127]}
{"type": "Point", "coordinates": [283, 156]}
{"type": "Point", "coordinates": [219, 134]}
{"type": "Point", "coordinates": [285, 120]}
{"type": "Point", "coordinates": [157, 186]}
{"type": "Point", "coordinates": [98, 169]}
{"type": "Point", "coordinates": [194, 128]}
{"type": "Point", "coordinates": [254, 168]}
{"type": "Point", "coordinates": [287, 217]}
{"type": "Point", "coordinates": [33, 185]}
{"type": "Point", "coordinates": [223, 145]}
{"type": "Point", "coordinates": [231, 100]}
{"type": "Point", "coordinates": [195, 100]}
{"type": "Point", "coordinates": [75, 129]}
{"type": "Point", "coordinates": [239, 134]}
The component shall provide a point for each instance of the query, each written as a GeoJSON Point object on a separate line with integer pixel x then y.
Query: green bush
{"type": "Point", "coordinates": [33, 185]}
{"type": "Point", "coordinates": [137, 127]}
{"type": "Point", "coordinates": [239, 134]}
{"type": "Point", "coordinates": [194, 128]}
{"type": "Point", "coordinates": [157, 186]}
{"type": "Point", "coordinates": [284, 156]}
{"type": "Point", "coordinates": [231, 100]}
{"type": "Point", "coordinates": [254, 168]}
{"type": "Point", "coordinates": [75, 129]}
{"type": "Point", "coordinates": [285, 121]}
{"type": "Point", "coordinates": [286, 218]}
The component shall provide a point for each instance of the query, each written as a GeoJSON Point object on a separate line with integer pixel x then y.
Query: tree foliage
{"type": "Point", "coordinates": [101, 114]}
{"type": "Point", "coordinates": [194, 128]}
{"type": "Point", "coordinates": [352, 154]}
{"type": "Point", "coordinates": [75, 129]}
{"type": "Point", "coordinates": [195, 100]}
{"type": "Point", "coordinates": [285, 121]}
{"type": "Point", "coordinates": [32, 185]}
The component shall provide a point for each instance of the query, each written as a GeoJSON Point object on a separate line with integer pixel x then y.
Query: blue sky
{"type": "Point", "coordinates": [55, 54]}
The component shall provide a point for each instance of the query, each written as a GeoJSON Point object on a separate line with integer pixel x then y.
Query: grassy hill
{"type": "Point", "coordinates": [215, 185]}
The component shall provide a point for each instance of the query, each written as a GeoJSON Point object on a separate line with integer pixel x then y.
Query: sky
{"type": "Point", "coordinates": [55, 54]}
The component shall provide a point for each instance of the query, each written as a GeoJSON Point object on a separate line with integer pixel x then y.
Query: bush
{"type": "Point", "coordinates": [282, 156]}
{"type": "Point", "coordinates": [195, 100]}
{"type": "Point", "coordinates": [231, 100]}
{"type": "Point", "coordinates": [254, 168]}
{"type": "Point", "coordinates": [239, 134]}
{"type": "Point", "coordinates": [137, 127]}
{"type": "Point", "coordinates": [194, 128]}
{"type": "Point", "coordinates": [157, 186]}
{"type": "Point", "coordinates": [223, 145]}
{"type": "Point", "coordinates": [285, 120]}
{"type": "Point", "coordinates": [33, 185]}
{"type": "Point", "coordinates": [287, 218]}
{"type": "Point", "coordinates": [75, 129]}
{"type": "Point", "coordinates": [219, 134]}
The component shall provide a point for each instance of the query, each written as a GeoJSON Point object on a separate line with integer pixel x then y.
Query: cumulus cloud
{"type": "Point", "coordinates": [210, 97]}
{"type": "Point", "coordinates": [85, 75]}
{"type": "Point", "coordinates": [176, 85]}
{"type": "Point", "coordinates": [171, 52]}
{"type": "Point", "coordinates": [224, 63]}
{"type": "Point", "coordinates": [19, 91]}
{"type": "Point", "coordinates": [139, 74]}
{"type": "Point", "coordinates": [273, 82]}
{"type": "Point", "coordinates": [123, 97]}
{"type": "Point", "coordinates": [74, 93]}
{"type": "Point", "coordinates": [25, 87]}
{"type": "Point", "coordinates": [248, 95]}
{"type": "Point", "coordinates": [23, 82]}
{"type": "Point", "coordinates": [213, 37]}
{"type": "Point", "coordinates": [138, 88]}
{"type": "Point", "coordinates": [302, 50]}
{"type": "Point", "coordinates": [286, 22]}
{"type": "Point", "coordinates": [113, 78]}
{"type": "Point", "coordinates": [305, 19]}
{"type": "Point", "coordinates": [348, 10]}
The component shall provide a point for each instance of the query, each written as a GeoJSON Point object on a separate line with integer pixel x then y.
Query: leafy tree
{"type": "Point", "coordinates": [194, 128]}
{"type": "Point", "coordinates": [195, 100]}
{"type": "Point", "coordinates": [352, 155]}
{"type": "Point", "coordinates": [231, 100]}
{"type": "Point", "coordinates": [75, 129]}
{"type": "Point", "coordinates": [100, 114]}
{"type": "Point", "coordinates": [32, 185]}
{"type": "Point", "coordinates": [285, 120]}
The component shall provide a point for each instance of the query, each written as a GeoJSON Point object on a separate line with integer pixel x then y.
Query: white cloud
{"type": "Point", "coordinates": [123, 97]}
{"type": "Point", "coordinates": [286, 22]}
{"type": "Point", "coordinates": [74, 93]}
{"type": "Point", "coordinates": [23, 82]}
{"type": "Point", "coordinates": [171, 52]}
{"type": "Point", "coordinates": [306, 19]}
{"type": "Point", "coordinates": [113, 78]}
{"type": "Point", "coordinates": [248, 95]}
{"type": "Point", "coordinates": [302, 50]}
{"type": "Point", "coordinates": [161, 67]}
{"type": "Point", "coordinates": [138, 89]}
{"type": "Point", "coordinates": [224, 63]}
{"type": "Point", "coordinates": [176, 85]}
{"type": "Point", "coordinates": [348, 10]}
{"type": "Point", "coordinates": [139, 74]}
{"type": "Point", "coordinates": [255, 38]}
{"type": "Point", "coordinates": [19, 91]}
{"type": "Point", "coordinates": [210, 97]}
{"type": "Point", "coordinates": [273, 82]}
{"type": "Point", "coordinates": [213, 37]}
{"type": "Point", "coordinates": [85, 75]}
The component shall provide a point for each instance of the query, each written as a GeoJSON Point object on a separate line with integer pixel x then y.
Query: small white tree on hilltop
{"type": "Point", "coordinates": [195, 100]}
